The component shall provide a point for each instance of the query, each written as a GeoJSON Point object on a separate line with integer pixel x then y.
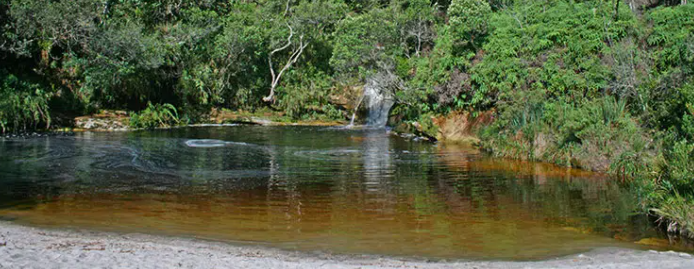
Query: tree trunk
{"type": "Point", "coordinates": [296, 53]}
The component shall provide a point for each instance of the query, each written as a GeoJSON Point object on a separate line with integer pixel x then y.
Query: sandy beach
{"type": "Point", "coordinates": [28, 247]}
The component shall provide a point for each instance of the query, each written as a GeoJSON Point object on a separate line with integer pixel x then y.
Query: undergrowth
{"type": "Point", "coordinates": [155, 116]}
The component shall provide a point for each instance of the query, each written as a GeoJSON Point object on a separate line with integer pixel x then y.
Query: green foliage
{"type": "Point", "coordinates": [306, 95]}
{"type": "Point", "coordinates": [366, 43]}
{"type": "Point", "coordinates": [23, 105]}
{"type": "Point", "coordinates": [556, 47]}
{"type": "Point", "coordinates": [669, 183]}
{"type": "Point", "coordinates": [155, 116]}
{"type": "Point", "coordinates": [678, 214]}
{"type": "Point", "coordinates": [194, 55]}
{"type": "Point", "coordinates": [468, 19]}
{"type": "Point", "coordinates": [122, 65]}
{"type": "Point", "coordinates": [668, 89]}
{"type": "Point", "coordinates": [592, 135]}
{"type": "Point", "coordinates": [66, 24]}
{"type": "Point", "coordinates": [573, 82]}
{"type": "Point", "coordinates": [672, 38]}
{"type": "Point", "coordinates": [679, 167]}
{"type": "Point", "coordinates": [219, 70]}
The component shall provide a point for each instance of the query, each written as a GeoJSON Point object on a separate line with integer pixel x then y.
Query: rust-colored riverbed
{"type": "Point", "coordinates": [317, 189]}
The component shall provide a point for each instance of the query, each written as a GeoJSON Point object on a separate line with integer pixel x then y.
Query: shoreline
{"type": "Point", "coordinates": [31, 247]}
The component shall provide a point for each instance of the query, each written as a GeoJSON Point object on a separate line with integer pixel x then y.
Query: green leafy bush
{"type": "Point", "coordinates": [23, 105]}
{"type": "Point", "coordinates": [677, 212]}
{"type": "Point", "coordinates": [557, 47]}
{"type": "Point", "coordinates": [155, 116]}
{"type": "Point", "coordinates": [588, 135]}
{"type": "Point", "coordinates": [671, 38]}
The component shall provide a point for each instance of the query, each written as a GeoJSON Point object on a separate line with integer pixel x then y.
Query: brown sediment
{"type": "Point", "coordinates": [449, 224]}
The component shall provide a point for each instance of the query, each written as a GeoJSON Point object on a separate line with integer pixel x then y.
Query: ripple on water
{"type": "Point", "coordinates": [346, 155]}
{"type": "Point", "coordinates": [330, 155]}
{"type": "Point", "coordinates": [338, 191]}
{"type": "Point", "coordinates": [212, 143]}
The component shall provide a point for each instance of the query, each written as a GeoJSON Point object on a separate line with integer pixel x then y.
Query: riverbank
{"type": "Point", "coordinates": [28, 247]}
{"type": "Point", "coordinates": [114, 120]}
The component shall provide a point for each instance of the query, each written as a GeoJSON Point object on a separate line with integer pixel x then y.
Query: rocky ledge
{"type": "Point", "coordinates": [104, 121]}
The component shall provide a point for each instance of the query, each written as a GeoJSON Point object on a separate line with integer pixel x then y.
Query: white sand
{"type": "Point", "coordinates": [26, 247]}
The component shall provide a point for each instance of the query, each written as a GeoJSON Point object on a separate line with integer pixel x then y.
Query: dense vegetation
{"type": "Point", "coordinates": [597, 84]}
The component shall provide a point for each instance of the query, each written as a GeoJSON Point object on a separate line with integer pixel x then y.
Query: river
{"type": "Point", "coordinates": [326, 189]}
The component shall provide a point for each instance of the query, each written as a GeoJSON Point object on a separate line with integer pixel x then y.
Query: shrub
{"type": "Point", "coordinates": [588, 135]}
{"type": "Point", "coordinates": [678, 213]}
{"type": "Point", "coordinates": [306, 95]}
{"type": "Point", "coordinates": [155, 116]}
{"type": "Point", "coordinates": [23, 105]}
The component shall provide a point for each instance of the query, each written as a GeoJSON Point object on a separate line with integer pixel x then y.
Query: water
{"type": "Point", "coordinates": [378, 103]}
{"type": "Point", "coordinates": [354, 113]}
{"type": "Point", "coordinates": [316, 189]}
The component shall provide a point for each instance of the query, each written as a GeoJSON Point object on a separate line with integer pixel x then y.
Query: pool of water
{"type": "Point", "coordinates": [317, 189]}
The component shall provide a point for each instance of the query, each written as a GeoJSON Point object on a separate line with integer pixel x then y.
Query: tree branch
{"type": "Point", "coordinates": [293, 58]}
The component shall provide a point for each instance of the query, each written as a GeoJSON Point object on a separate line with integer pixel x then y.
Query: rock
{"type": "Point", "coordinates": [105, 120]}
{"type": "Point", "coordinates": [461, 127]}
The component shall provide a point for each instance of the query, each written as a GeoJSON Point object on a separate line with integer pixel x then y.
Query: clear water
{"type": "Point", "coordinates": [316, 189]}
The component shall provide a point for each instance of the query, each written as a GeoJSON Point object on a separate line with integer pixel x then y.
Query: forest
{"type": "Point", "coordinates": [603, 85]}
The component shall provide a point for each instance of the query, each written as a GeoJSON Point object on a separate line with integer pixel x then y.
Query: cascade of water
{"type": "Point", "coordinates": [379, 102]}
{"type": "Point", "coordinates": [354, 114]}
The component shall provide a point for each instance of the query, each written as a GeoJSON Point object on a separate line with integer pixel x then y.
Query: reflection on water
{"type": "Point", "coordinates": [305, 188]}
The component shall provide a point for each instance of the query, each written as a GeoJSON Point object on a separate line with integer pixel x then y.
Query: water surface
{"type": "Point", "coordinates": [316, 189]}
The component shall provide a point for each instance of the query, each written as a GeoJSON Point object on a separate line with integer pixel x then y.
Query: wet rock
{"type": "Point", "coordinates": [461, 126]}
{"type": "Point", "coordinates": [104, 121]}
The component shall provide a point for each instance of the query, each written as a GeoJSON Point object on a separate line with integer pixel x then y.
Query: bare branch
{"type": "Point", "coordinates": [286, 9]}
{"type": "Point", "coordinates": [293, 58]}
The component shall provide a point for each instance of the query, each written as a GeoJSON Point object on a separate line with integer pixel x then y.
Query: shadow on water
{"type": "Point", "coordinates": [326, 189]}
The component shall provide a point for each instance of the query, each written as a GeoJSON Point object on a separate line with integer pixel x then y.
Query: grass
{"type": "Point", "coordinates": [677, 213]}
{"type": "Point", "coordinates": [155, 116]}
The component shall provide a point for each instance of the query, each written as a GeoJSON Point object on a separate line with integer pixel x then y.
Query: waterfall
{"type": "Point", "coordinates": [354, 113]}
{"type": "Point", "coordinates": [379, 99]}
{"type": "Point", "coordinates": [378, 102]}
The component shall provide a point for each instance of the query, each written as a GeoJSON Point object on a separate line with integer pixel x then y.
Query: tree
{"type": "Point", "coordinates": [416, 21]}
{"type": "Point", "coordinates": [296, 50]}
{"type": "Point", "coordinates": [67, 24]}
{"type": "Point", "coordinates": [365, 44]}
{"type": "Point", "coordinates": [305, 23]}
{"type": "Point", "coordinates": [468, 19]}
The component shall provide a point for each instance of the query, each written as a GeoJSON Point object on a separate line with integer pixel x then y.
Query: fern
{"type": "Point", "coordinates": [23, 105]}
{"type": "Point", "coordinates": [155, 116]}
